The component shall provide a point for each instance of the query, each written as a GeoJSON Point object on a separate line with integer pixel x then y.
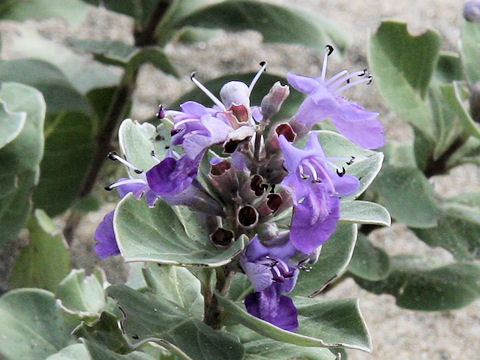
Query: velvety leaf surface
{"type": "Point", "coordinates": [458, 229]}
{"type": "Point", "coordinates": [11, 124]}
{"type": "Point", "coordinates": [261, 88]}
{"type": "Point", "coordinates": [99, 352]}
{"type": "Point", "coordinates": [323, 323]}
{"type": "Point", "coordinates": [402, 65]}
{"type": "Point", "coordinates": [334, 258]}
{"type": "Point", "coordinates": [419, 284]}
{"type": "Point", "coordinates": [83, 73]}
{"type": "Point", "coordinates": [45, 261]}
{"type": "Point", "coordinates": [407, 195]}
{"type": "Point", "coordinates": [368, 261]}
{"type": "Point", "coordinates": [71, 352]}
{"type": "Point", "coordinates": [364, 212]}
{"type": "Point", "coordinates": [470, 51]}
{"type": "Point", "coordinates": [69, 149]}
{"type": "Point", "coordinates": [366, 164]}
{"type": "Point", "coordinates": [166, 235]}
{"type": "Point", "coordinates": [32, 327]}
{"type": "Point", "coordinates": [152, 316]}
{"type": "Point", "coordinates": [72, 11]}
{"type": "Point", "coordinates": [275, 23]}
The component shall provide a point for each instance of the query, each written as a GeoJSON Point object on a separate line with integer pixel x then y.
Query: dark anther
{"type": "Point", "coordinates": [220, 168]}
{"type": "Point", "coordinates": [341, 173]}
{"type": "Point", "coordinates": [304, 177]}
{"type": "Point", "coordinates": [112, 155]}
{"type": "Point", "coordinates": [370, 79]}
{"type": "Point", "coordinates": [329, 49]}
{"type": "Point", "coordinates": [262, 63]}
{"type": "Point", "coordinates": [247, 216]}
{"type": "Point", "coordinates": [137, 171]}
{"type": "Point", "coordinates": [348, 81]}
{"type": "Point", "coordinates": [159, 137]}
{"type": "Point", "coordinates": [272, 190]}
{"type": "Point", "coordinates": [365, 72]}
{"type": "Point", "coordinates": [167, 147]}
{"type": "Point", "coordinates": [350, 162]}
{"type": "Point", "coordinates": [317, 181]}
{"type": "Point", "coordinates": [109, 187]}
{"type": "Point", "coordinates": [222, 238]}
{"type": "Point", "coordinates": [175, 131]}
{"type": "Point", "coordinates": [192, 75]}
{"type": "Point", "coordinates": [152, 153]}
{"type": "Point", "coordinates": [135, 337]}
{"type": "Point", "coordinates": [161, 113]}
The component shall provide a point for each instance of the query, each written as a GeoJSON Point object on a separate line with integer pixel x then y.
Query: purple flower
{"type": "Point", "coordinates": [269, 305]}
{"type": "Point", "coordinates": [324, 101]}
{"type": "Point", "coordinates": [105, 236]}
{"type": "Point", "coordinates": [471, 11]}
{"type": "Point", "coordinates": [271, 274]}
{"type": "Point", "coordinates": [316, 190]}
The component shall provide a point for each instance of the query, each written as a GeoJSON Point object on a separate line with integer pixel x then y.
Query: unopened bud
{"type": "Point", "coordinates": [471, 11]}
{"type": "Point", "coordinates": [272, 102]}
{"type": "Point", "coordinates": [235, 93]}
{"type": "Point", "coordinates": [282, 129]}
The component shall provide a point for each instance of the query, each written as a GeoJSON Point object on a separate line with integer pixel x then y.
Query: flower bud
{"type": "Point", "coordinates": [272, 102]}
{"type": "Point", "coordinates": [235, 93]}
{"type": "Point", "coordinates": [281, 129]}
{"type": "Point", "coordinates": [471, 11]}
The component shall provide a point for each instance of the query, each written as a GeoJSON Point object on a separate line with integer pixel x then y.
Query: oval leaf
{"type": "Point", "coordinates": [364, 212]}
{"type": "Point", "coordinates": [368, 261]}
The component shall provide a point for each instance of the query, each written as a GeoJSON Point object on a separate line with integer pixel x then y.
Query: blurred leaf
{"type": "Point", "coordinates": [191, 35]}
{"type": "Point", "coordinates": [452, 96]}
{"type": "Point", "coordinates": [71, 352]}
{"type": "Point", "coordinates": [366, 165]}
{"type": "Point", "coordinates": [407, 195]}
{"type": "Point", "coordinates": [364, 212]}
{"type": "Point", "coordinates": [152, 317]}
{"type": "Point", "coordinates": [88, 203]}
{"type": "Point", "coordinates": [54, 86]}
{"type": "Point", "coordinates": [334, 258]}
{"type": "Point", "coordinates": [275, 23]}
{"type": "Point", "coordinates": [323, 323]}
{"type": "Point", "coordinates": [100, 100]}
{"type": "Point", "coordinates": [69, 148]}
{"type": "Point", "coordinates": [369, 262]}
{"type": "Point", "coordinates": [470, 50]}
{"type": "Point", "coordinates": [121, 54]}
{"type": "Point", "coordinates": [418, 284]}
{"type": "Point", "coordinates": [458, 229]}
{"type": "Point", "coordinates": [45, 261]}
{"type": "Point", "coordinates": [11, 124]}
{"type": "Point", "coordinates": [72, 11]}
{"type": "Point", "coordinates": [400, 154]}
{"type": "Point", "coordinates": [403, 66]}
{"type": "Point", "coordinates": [99, 352]}
{"type": "Point", "coordinates": [166, 235]}
{"type": "Point", "coordinates": [261, 89]}
{"type": "Point", "coordinates": [83, 73]}
{"type": "Point", "coordinates": [468, 153]}
{"type": "Point", "coordinates": [449, 68]}
{"type": "Point", "coordinates": [81, 295]}
{"type": "Point", "coordinates": [32, 326]}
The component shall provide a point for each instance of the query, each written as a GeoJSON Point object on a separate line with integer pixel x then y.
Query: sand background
{"type": "Point", "coordinates": [397, 333]}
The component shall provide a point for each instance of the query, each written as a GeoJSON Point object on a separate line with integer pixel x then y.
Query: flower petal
{"type": "Point", "coordinates": [105, 237]}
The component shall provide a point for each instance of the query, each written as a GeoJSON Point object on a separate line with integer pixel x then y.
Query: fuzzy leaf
{"type": "Point", "coordinates": [368, 261]}
{"type": "Point", "coordinates": [364, 212]}
{"type": "Point", "coordinates": [470, 50]}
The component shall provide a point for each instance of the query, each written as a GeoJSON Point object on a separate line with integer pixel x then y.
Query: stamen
{"type": "Point", "coordinates": [303, 175]}
{"type": "Point", "coordinates": [206, 91]}
{"type": "Point", "coordinates": [152, 154]}
{"type": "Point", "coordinates": [328, 52]}
{"type": "Point", "coordinates": [342, 172]}
{"type": "Point", "coordinates": [112, 155]}
{"type": "Point", "coordinates": [350, 162]}
{"type": "Point", "coordinates": [124, 182]}
{"type": "Point", "coordinates": [335, 77]}
{"type": "Point", "coordinates": [313, 171]}
{"type": "Point", "coordinates": [334, 85]}
{"type": "Point", "coordinates": [367, 80]}
{"type": "Point", "coordinates": [184, 122]}
{"type": "Point", "coordinates": [325, 175]}
{"type": "Point", "coordinates": [263, 65]}
{"type": "Point", "coordinates": [161, 112]}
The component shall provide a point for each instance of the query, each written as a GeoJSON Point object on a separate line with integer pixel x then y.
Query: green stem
{"type": "Point", "coordinates": [213, 311]}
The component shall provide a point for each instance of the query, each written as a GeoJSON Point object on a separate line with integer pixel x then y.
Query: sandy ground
{"type": "Point", "coordinates": [397, 333]}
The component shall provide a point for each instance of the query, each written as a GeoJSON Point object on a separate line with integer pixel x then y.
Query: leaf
{"type": "Point", "coordinates": [407, 195]}
{"type": "Point", "coordinates": [470, 50]}
{"type": "Point", "coordinates": [152, 317]}
{"type": "Point", "coordinates": [275, 23]}
{"type": "Point", "coordinates": [403, 65]}
{"type": "Point", "coordinates": [452, 96]}
{"type": "Point", "coordinates": [68, 145]}
{"type": "Point", "coordinates": [32, 327]}
{"type": "Point", "coordinates": [261, 89]}
{"type": "Point", "coordinates": [418, 284]}
{"type": "Point", "coordinates": [334, 258]}
{"type": "Point", "coordinates": [122, 54]}
{"type": "Point", "coordinates": [323, 323]}
{"type": "Point", "coordinates": [369, 262]}
{"type": "Point", "coordinates": [71, 352]}
{"type": "Point", "coordinates": [457, 231]}
{"type": "Point", "coordinates": [72, 11]}
{"type": "Point", "coordinates": [47, 247]}
{"type": "Point", "coordinates": [11, 124]}
{"type": "Point", "coordinates": [99, 352]}
{"type": "Point", "coordinates": [81, 295]}
{"type": "Point", "coordinates": [166, 235]}
{"type": "Point", "coordinates": [83, 73]}
{"type": "Point", "coordinates": [366, 164]}
{"type": "Point", "coordinates": [364, 212]}
{"type": "Point", "coordinates": [59, 94]}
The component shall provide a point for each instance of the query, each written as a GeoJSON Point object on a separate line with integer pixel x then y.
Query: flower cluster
{"type": "Point", "coordinates": [261, 175]}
